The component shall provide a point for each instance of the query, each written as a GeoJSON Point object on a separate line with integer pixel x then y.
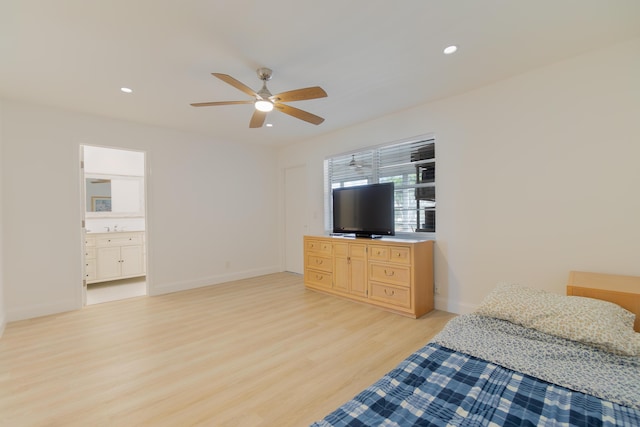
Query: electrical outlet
{"type": "Point", "coordinates": [436, 290]}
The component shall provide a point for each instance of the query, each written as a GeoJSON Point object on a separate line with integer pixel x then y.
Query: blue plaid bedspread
{"type": "Point", "coordinates": [436, 386]}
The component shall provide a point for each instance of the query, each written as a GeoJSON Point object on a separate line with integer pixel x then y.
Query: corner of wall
{"type": "Point", "coordinates": [453, 306]}
{"type": "Point", "coordinates": [3, 323]}
{"type": "Point", "coordinates": [3, 309]}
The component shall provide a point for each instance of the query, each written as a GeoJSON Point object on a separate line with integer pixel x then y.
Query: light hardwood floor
{"type": "Point", "coordinates": [257, 352]}
{"type": "Point", "coordinates": [116, 290]}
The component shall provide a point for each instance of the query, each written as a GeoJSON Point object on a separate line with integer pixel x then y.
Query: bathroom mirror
{"type": "Point", "coordinates": [114, 196]}
{"type": "Point", "coordinates": [98, 192]}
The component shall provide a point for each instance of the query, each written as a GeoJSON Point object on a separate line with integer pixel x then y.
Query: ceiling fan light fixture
{"type": "Point", "coordinates": [264, 105]}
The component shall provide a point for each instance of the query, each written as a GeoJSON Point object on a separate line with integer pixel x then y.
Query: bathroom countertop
{"type": "Point", "coordinates": [115, 232]}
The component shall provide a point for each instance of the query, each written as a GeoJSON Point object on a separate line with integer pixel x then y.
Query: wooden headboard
{"type": "Point", "coordinates": [622, 290]}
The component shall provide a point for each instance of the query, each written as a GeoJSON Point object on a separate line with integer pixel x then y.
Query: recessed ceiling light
{"type": "Point", "coordinates": [269, 125]}
{"type": "Point", "coordinates": [450, 49]}
{"type": "Point", "coordinates": [126, 90]}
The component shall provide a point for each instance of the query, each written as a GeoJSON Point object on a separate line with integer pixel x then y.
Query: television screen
{"type": "Point", "coordinates": [366, 210]}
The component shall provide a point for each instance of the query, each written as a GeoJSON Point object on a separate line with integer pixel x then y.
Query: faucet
{"type": "Point", "coordinates": [108, 229]}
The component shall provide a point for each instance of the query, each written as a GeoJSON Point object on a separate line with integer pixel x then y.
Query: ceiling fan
{"type": "Point", "coordinates": [264, 101]}
{"type": "Point", "coordinates": [355, 164]}
{"type": "Point", "coordinates": [360, 163]}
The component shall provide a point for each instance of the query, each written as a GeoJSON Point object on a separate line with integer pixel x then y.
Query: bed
{"type": "Point", "coordinates": [525, 357]}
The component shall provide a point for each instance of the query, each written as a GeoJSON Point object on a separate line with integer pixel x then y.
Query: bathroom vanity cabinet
{"type": "Point", "coordinates": [113, 256]}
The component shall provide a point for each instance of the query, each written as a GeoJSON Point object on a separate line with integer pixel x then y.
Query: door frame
{"type": "Point", "coordinates": [83, 229]}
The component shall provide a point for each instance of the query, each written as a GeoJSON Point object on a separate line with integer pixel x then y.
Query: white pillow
{"type": "Point", "coordinates": [598, 323]}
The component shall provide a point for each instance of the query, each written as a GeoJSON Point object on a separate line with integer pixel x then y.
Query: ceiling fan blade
{"type": "Point", "coordinates": [299, 94]}
{"type": "Point", "coordinates": [299, 114]}
{"type": "Point", "coordinates": [209, 104]}
{"type": "Point", "coordinates": [257, 120]}
{"type": "Point", "coordinates": [235, 83]}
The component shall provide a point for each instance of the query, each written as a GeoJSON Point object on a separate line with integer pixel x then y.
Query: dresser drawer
{"type": "Point", "coordinates": [388, 273]}
{"type": "Point", "coordinates": [319, 262]}
{"type": "Point", "coordinates": [380, 253]}
{"type": "Point", "coordinates": [390, 294]}
{"type": "Point", "coordinates": [321, 246]}
{"type": "Point", "coordinates": [318, 278]}
{"type": "Point", "coordinates": [399, 254]}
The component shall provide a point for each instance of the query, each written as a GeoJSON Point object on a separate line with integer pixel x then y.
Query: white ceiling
{"type": "Point", "coordinates": [373, 57]}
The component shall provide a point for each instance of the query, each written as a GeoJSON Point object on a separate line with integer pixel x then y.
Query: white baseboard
{"type": "Point", "coordinates": [3, 323]}
{"type": "Point", "coordinates": [166, 288]}
{"type": "Point", "coordinates": [444, 304]}
{"type": "Point", "coordinates": [40, 310]}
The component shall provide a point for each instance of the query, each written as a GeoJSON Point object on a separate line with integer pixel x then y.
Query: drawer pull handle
{"type": "Point", "coordinates": [389, 274]}
{"type": "Point", "coordinates": [319, 276]}
{"type": "Point", "coordinates": [319, 261]}
{"type": "Point", "coordinates": [386, 292]}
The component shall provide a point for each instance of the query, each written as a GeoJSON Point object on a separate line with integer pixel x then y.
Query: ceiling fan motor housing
{"type": "Point", "coordinates": [264, 73]}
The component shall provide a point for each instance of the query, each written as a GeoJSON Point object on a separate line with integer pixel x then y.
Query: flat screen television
{"type": "Point", "coordinates": [366, 210]}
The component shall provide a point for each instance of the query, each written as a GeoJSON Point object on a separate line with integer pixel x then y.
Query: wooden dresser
{"type": "Point", "coordinates": [621, 290]}
{"type": "Point", "coordinates": [394, 274]}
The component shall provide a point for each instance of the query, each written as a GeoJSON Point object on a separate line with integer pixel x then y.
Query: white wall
{"type": "Point", "coordinates": [3, 317]}
{"type": "Point", "coordinates": [537, 175]}
{"type": "Point", "coordinates": [201, 225]}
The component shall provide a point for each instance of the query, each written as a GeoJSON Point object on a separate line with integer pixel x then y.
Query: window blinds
{"type": "Point", "coordinates": [410, 165]}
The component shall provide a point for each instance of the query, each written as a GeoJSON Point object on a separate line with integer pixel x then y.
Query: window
{"type": "Point", "coordinates": [410, 165]}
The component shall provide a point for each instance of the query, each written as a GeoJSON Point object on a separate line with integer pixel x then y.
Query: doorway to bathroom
{"type": "Point", "coordinates": [114, 224]}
